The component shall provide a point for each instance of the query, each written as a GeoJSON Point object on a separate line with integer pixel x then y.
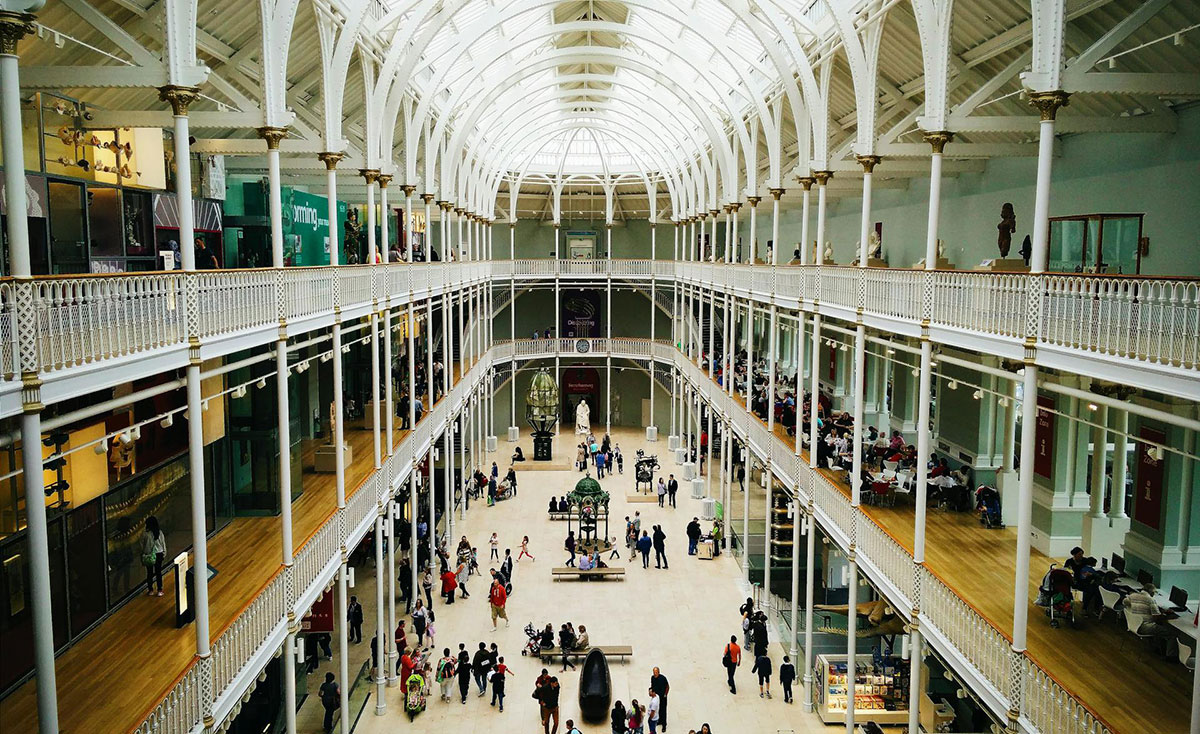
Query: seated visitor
{"type": "Point", "coordinates": [563, 505]}
{"type": "Point", "coordinates": [582, 643]}
{"type": "Point", "coordinates": [553, 504]}
{"type": "Point", "coordinates": [1154, 622]}
{"type": "Point", "coordinates": [585, 562]}
{"type": "Point", "coordinates": [546, 641]}
{"type": "Point", "coordinates": [517, 455]}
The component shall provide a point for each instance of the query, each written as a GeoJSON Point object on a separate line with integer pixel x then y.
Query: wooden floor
{"type": "Point", "coordinates": [111, 678]}
{"type": "Point", "coordinates": [1100, 662]}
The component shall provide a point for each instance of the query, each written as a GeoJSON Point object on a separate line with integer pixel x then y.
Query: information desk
{"type": "Point", "coordinates": [880, 689]}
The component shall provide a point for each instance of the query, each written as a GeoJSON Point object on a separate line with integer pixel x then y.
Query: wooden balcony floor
{"type": "Point", "coordinates": [1100, 662]}
{"type": "Point", "coordinates": [140, 640]}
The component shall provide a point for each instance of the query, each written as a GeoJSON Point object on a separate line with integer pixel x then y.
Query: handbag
{"type": "Point", "coordinates": [149, 559]}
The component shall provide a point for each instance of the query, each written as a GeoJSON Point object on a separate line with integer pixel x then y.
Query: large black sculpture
{"type": "Point", "coordinates": [595, 688]}
{"type": "Point", "coordinates": [643, 471]}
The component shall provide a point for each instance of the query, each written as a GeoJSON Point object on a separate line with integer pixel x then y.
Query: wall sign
{"type": "Point", "coordinates": [1043, 452]}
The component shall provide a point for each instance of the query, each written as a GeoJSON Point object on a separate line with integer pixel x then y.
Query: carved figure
{"type": "Point", "coordinates": [1008, 225]}
{"type": "Point", "coordinates": [583, 414]}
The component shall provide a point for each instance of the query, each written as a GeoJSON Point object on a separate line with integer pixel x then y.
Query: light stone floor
{"type": "Point", "coordinates": [677, 619]}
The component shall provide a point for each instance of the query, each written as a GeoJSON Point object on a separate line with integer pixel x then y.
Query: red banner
{"type": "Point", "coordinates": [320, 617]}
{"type": "Point", "coordinates": [833, 352]}
{"type": "Point", "coordinates": [1043, 456]}
{"type": "Point", "coordinates": [581, 380]}
{"type": "Point", "coordinates": [1148, 481]}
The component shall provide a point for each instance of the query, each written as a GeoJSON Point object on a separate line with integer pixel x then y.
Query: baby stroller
{"type": "Point", "coordinates": [987, 503]}
{"type": "Point", "coordinates": [1056, 596]}
{"type": "Point", "coordinates": [532, 645]}
{"type": "Point", "coordinates": [414, 695]}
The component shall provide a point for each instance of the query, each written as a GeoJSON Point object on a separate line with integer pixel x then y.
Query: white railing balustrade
{"type": "Point", "coordinates": [229, 301]}
{"type": "Point", "coordinates": [179, 711]}
{"type": "Point", "coordinates": [307, 292]}
{"type": "Point", "coordinates": [1141, 319]}
{"type": "Point", "coordinates": [1049, 708]}
{"type": "Point", "coordinates": [980, 642]}
{"type": "Point", "coordinates": [893, 293]}
{"type": "Point", "coordinates": [248, 631]}
{"type": "Point", "coordinates": [892, 560]}
{"type": "Point", "coordinates": [314, 554]}
{"type": "Point", "coordinates": [991, 303]}
{"type": "Point", "coordinates": [9, 358]}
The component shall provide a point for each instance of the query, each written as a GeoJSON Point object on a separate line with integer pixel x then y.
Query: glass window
{"type": "Point", "coordinates": [1120, 253]}
{"type": "Point", "coordinates": [104, 222]}
{"type": "Point", "coordinates": [68, 244]}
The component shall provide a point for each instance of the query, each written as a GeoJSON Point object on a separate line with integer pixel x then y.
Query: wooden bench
{"type": "Point", "coordinates": [589, 574]}
{"type": "Point", "coordinates": [611, 651]}
{"type": "Point", "coordinates": [567, 516]}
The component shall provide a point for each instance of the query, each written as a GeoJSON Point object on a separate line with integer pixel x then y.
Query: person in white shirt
{"type": "Point", "coordinates": [652, 708]}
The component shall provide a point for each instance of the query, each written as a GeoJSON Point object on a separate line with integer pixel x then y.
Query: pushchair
{"type": "Point", "coordinates": [532, 645]}
{"type": "Point", "coordinates": [414, 695]}
{"type": "Point", "coordinates": [987, 503]}
{"type": "Point", "coordinates": [1056, 596]}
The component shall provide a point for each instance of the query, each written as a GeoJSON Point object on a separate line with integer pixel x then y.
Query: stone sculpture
{"type": "Point", "coordinates": [1008, 225]}
{"type": "Point", "coordinates": [595, 688]}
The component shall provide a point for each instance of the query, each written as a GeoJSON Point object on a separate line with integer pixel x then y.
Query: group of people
{"type": "Point", "coordinates": [605, 456]}
{"type": "Point", "coordinates": [485, 666]}
{"type": "Point", "coordinates": [492, 485]}
{"type": "Point", "coordinates": [754, 638]}
{"type": "Point", "coordinates": [652, 713]}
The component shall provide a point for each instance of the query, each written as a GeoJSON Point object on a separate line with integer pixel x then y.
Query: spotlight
{"type": "Point", "coordinates": [326, 356]}
{"type": "Point", "coordinates": [978, 394]}
{"type": "Point", "coordinates": [952, 385]}
{"type": "Point", "coordinates": [1093, 407]}
{"type": "Point", "coordinates": [916, 373]}
{"type": "Point", "coordinates": [125, 438]}
{"type": "Point", "coordinates": [136, 433]}
{"type": "Point", "coordinates": [101, 447]}
{"type": "Point", "coordinates": [261, 383]}
{"type": "Point", "coordinates": [167, 421]}
{"type": "Point", "coordinates": [240, 392]}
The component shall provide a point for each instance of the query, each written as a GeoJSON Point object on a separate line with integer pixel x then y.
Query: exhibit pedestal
{"type": "Point", "coordinates": [941, 264]}
{"type": "Point", "coordinates": [672, 443]}
{"type": "Point", "coordinates": [514, 434]}
{"type": "Point", "coordinates": [697, 488]}
{"type": "Point", "coordinates": [708, 510]}
{"type": "Point", "coordinates": [542, 444]}
{"type": "Point", "coordinates": [680, 456]}
{"type": "Point", "coordinates": [1004, 265]}
{"type": "Point", "coordinates": [491, 444]}
{"type": "Point", "coordinates": [325, 458]}
{"type": "Point", "coordinates": [651, 433]}
{"type": "Point", "coordinates": [688, 469]}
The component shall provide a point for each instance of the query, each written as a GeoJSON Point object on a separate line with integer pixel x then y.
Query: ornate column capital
{"type": "Point", "coordinates": [1049, 102]}
{"type": "Point", "coordinates": [608, 225]}
{"type": "Point", "coordinates": [330, 159]}
{"type": "Point", "coordinates": [727, 208]}
{"type": "Point", "coordinates": [427, 198]}
{"type": "Point", "coordinates": [938, 139]}
{"type": "Point", "coordinates": [13, 27]}
{"type": "Point", "coordinates": [822, 177]}
{"type": "Point", "coordinates": [806, 182]}
{"type": "Point", "coordinates": [714, 212]}
{"type": "Point", "coordinates": [371, 175]}
{"type": "Point", "coordinates": [179, 97]}
{"type": "Point", "coordinates": [753, 201]}
{"type": "Point", "coordinates": [735, 206]}
{"type": "Point", "coordinates": [868, 162]}
{"type": "Point", "coordinates": [273, 135]}
{"type": "Point", "coordinates": [384, 180]}
{"type": "Point", "coordinates": [409, 189]}
{"type": "Point", "coordinates": [459, 210]}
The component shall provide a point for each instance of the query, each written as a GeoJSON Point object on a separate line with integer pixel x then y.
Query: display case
{"type": "Point", "coordinates": [880, 689]}
{"type": "Point", "coordinates": [1097, 243]}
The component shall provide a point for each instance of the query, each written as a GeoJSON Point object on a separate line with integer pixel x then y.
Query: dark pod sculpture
{"type": "Point", "coordinates": [595, 688]}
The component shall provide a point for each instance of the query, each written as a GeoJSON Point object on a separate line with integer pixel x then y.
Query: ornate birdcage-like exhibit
{"type": "Point", "coordinates": [541, 412]}
{"type": "Point", "coordinates": [589, 503]}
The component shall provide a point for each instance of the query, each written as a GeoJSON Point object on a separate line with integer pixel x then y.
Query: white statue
{"type": "Point", "coordinates": [583, 423]}
{"type": "Point", "coordinates": [941, 249]}
{"type": "Point", "coordinates": [828, 257]}
{"type": "Point", "coordinates": [874, 246]}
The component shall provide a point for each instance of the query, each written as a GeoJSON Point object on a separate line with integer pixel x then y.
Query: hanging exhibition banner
{"type": "Point", "coordinates": [320, 618]}
{"type": "Point", "coordinates": [1148, 481]}
{"type": "Point", "coordinates": [579, 314]}
{"type": "Point", "coordinates": [1043, 452]}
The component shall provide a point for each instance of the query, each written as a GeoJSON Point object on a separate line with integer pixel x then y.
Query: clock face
{"type": "Point", "coordinates": [582, 345]}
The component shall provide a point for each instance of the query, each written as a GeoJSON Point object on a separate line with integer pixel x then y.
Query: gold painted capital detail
{"type": "Point", "coordinates": [735, 206]}
{"type": "Point", "coordinates": [807, 182]}
{"type": "Point", "coordinates": [868, 162]}
{"type": "Point", "coordinates": [384, 180]}
{"type": "Point", "coordinates": [427, 198]}
{"type": "Point", "coordinates": [938, 139]}
{"type": "Point", "coordinates": [273, 135]}
{"type": "Point", "coordinates": [371, 175]}
{"type": "Point", "coordinates": [330, 159]}
{"type": "Point", "coordinates": [1049, 102]}
{"type": "Point", "coordinates": [13, 27]}
{"type": "Point", "coordinates": [777, 194]}
{"type": "Point", "coordinates": [179, 97]}
{"type": "Point", "coordinates": [409, 189]}
{"type": "Point", "coordinates": [822, 177]}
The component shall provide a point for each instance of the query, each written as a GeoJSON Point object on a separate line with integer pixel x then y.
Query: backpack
{"type": "Point", "coordinates": [445, 670]}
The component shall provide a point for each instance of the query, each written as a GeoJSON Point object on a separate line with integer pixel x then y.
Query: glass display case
{"type": "Point", "coordinates": [1096, 243]}
{"type": "Point", "coordinates": [880, 689]}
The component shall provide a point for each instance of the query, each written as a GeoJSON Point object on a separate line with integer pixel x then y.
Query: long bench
{"type": "Point", "coordinates": [569, 516]}
{"type": "Point", "coordinates": [612, 651]}
{"type": "Point", "coordinates": [589, 574]}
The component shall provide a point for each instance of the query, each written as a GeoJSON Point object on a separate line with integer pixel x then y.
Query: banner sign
{"type": "Point", "coordinates": [1043, 452]}
{"type": "Point", "coordinates": [1148, 486]}
{"type": "Point", "coordinates": [580, 314]}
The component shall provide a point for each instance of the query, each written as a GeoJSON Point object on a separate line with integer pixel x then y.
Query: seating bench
{"type": "Point", "coordinates": [612, 651]}
{"type": "Point", "coordinates": [567, 515]}
{"type": "Point", "coordinates": [589, 574]}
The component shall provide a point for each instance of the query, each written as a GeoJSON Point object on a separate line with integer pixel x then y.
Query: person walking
{"type": "Point", "coordinates": [569, 545]}
{"type": "Point", "coordinates": [463, 671]}
{"type": "Point", "coordinates": [787, 674]}
{"type": "Point", "coordinates": [643, 545]}
{"type": "Point", "coordinates": [525, 550]}
{"type": "Point", "coordinates": [427, 585]}
{"type": "Point", "coordinates": [445, 673]}
{"type": "Point", "coordinates": [662, 492]}
{"type": "Point", "coordinates": [693, 535]}
{"type": "Point", "coordinates": [731, 660]}
{"type": "Point", "coordinates": [511, 478]}
{"type": "Point", "coordinates": [481, 665]}
{"type": "Point", "coordinates": [494, 542]}
{"type": "Point", "coordinates": [405, 579]}
{"type": "Point", "coordinates": [618, 718]}
{"type": "Point", "coordinates": [498, 674]}
{"type": "Point", "coordinates": [497, 598]}
{"type": "Point", "coordinates": [636, 711]}
{"type": "Point", "coordinates": [449, 584]}
{"type": "Point", "coordinates": [762, 666]}
{"type": "Point", "coordinates": [672, 488]}
{"type": "Point", "coordinates": [154, 551]}
{"type": "Point", "coordinates": [331, 699]}
{"type": "Point", "coordinates": [652, 711]}
{"type": "Point", "coordinates": [506, 565]}
{"type": "Point", "coordinates": [600, 461]}
{"type": "Point", "coordinates": [354, 617]}
{"type": "Point", "coordinates": [660, 550]}
{"type": "Point", "coordinates": [566, 644]}
{"type": "Point", "coordinates": [547, 696]}
{"type": "Point", "coordinates": [420, 616]}
{"type": "Point", "coordinates": [660, 687]}
{"type": "Point", "coordinates": [461, 575]}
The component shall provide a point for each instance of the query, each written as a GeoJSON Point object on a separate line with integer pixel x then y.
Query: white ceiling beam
{"type": "Point", "coordinates": [1115, 35]}
{"type": "Point", "coordinates": [1166, 85]}
{"type": "Point", "coordinates": [1068, 124]}
{"type": "Point", "coordinates": [138, 53]}
{"type": "Point", "coordinates": [254, 146]}
{"type": "Point", "coordinates": [959, 150]}
{"type": "Point", "coordinates": [70, 77]}
{"type": "Point", "coordinates": [1023, 33]}
{"type": "Point", "coordinates": [109, 119]}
